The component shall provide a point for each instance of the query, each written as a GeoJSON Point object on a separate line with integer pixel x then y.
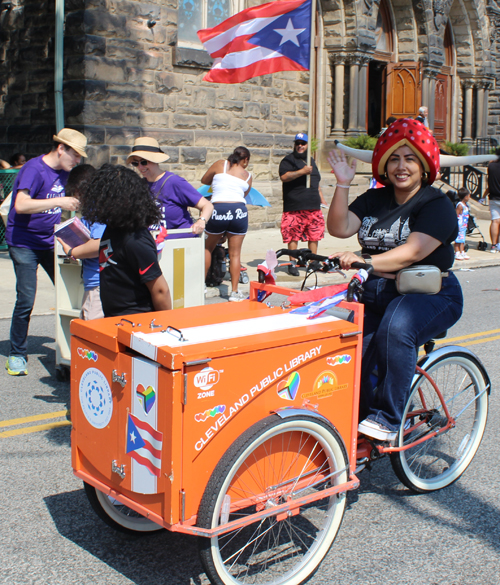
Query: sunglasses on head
{"type": "Point", "coordinates": [301, 143]}
{"type": "Point", "coordinates": [143, 163]}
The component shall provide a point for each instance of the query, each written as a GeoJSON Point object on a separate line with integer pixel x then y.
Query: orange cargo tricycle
{"type": "Point", "coordinates": [237, 423]}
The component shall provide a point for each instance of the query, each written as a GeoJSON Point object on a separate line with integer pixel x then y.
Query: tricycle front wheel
{"type": "Point", "coordinates": [275, 461]}
{"type": "Point", "coordinates": [118, 516]}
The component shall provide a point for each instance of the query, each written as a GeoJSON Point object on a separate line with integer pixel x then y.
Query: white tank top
{"type": "Point", "coordinates": [227, 188]}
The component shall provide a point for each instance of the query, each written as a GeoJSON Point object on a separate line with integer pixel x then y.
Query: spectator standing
{"type": "Point", "coordinates": [493, 193]}
{"type": "Point", "coordinates": [231, 183]}
{"type": "Point", "coordinates": [131, 280]}
{"type": "Point", "coordinates": [422, 117]}
{"type": "Point", "coordinates": [173, 193]}
{"type": "Point", "coordinates": [78, 182]}
{"type": "Point", "coordinates": [302, 218]}
{"type": "Point", "coordinates": [37, 200]}
{"type": "Point", "coordinates": [463, 221]}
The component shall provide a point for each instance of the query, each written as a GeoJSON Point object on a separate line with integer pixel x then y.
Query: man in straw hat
{"type": "Point", "coordinates": [37, 201]}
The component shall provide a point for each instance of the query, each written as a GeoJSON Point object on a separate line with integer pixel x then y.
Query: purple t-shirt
{"type": "Point", "coordinates": [174, 195]}
{"type": "Point", "coordinates": [35, 230]}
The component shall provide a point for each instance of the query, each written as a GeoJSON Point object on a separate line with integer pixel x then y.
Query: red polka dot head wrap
{"type": "Point", "coordinates": [411, 133]}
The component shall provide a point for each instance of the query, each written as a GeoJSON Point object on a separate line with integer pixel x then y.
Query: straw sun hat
{"type": "Point", "coordinates": [76, 140]}
{"type": "Point", "coordinates": [149, 149]}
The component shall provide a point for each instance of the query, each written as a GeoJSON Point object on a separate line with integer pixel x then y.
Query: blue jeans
{"type": "Point", "coordinates": [26, 263]}
{"type": "Point", "coordinates": [394, 327]}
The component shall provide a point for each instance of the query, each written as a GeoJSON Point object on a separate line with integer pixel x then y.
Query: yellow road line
{"type": "Point", "coordinates": [27, 419]}
{"type": "Point", "coordinates": [481, 334]}
{"type": "Point", "coordinates": [35, 429]}
{"type": "Point", "coordinates": [479, 341]}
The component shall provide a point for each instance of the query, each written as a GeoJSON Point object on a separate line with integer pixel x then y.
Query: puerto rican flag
{"type": "Point", "coordinates": [144, 444]}
{"type": "Point", "coordinates": [260, 40]}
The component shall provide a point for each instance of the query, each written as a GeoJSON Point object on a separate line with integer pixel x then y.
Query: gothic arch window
{"type": "Point", "coordinates": [383, 33]}
{"type": "Point", "coordinates": [193, 15]}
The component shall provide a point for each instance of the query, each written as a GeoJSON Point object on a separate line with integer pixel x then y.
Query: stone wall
{"type": "Point", "coordinates": [27, 109]}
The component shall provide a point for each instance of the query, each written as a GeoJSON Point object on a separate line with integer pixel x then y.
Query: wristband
{"type": "Point", "coordinates": [202, 219]}
{"type": "Point", "coordinates": [70, 253]}
{"type": "Point", "coordinates": [342, 186]}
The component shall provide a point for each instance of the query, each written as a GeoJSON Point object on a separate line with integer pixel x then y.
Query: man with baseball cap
{"type": "Point", "coordinates": [37, 201]}
{"type": "Point", "coordinates": [302, 216]}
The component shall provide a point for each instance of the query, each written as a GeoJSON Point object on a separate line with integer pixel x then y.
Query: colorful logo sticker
{"type": "Point", "coordinates": [147, 397]}
{"type": "Point", "coordinates": [207, 378]}
{"type": "Point", "coordinates": [87, 354]}
{"type": "Point", "coordinates": [338, 360]}
{"type": "Point", "coordinates": [324, 386]}
{"type": "Point", "coordinates": [95, 398]}
{"type": "Point", "coordinates": [287, 389]}
{"type": "Point", "coordinates": [211, 412]}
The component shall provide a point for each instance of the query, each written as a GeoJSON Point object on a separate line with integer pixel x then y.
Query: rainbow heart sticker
{"type": "Point", "coordinates": [287, 389]}
{"type": "Point", "coordinates": [147, 397]}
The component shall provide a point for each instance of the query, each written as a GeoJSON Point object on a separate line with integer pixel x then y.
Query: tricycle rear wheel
{"type": "Point", "coordinates": [441, 460]}
{"type": "Point", "coordinates": [118, 516]}
{"type": "Point", "coordinates": [273, 462]}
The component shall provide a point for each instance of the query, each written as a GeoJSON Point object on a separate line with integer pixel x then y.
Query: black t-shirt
{"type": "Point", "coordinates": [296, 196]}
{"type": "Point", "coordinates": [494, 180]}
{"type": "Point", "coordinates": [126, 262]}
{"type": "Point", "coordinates": [385, 224]}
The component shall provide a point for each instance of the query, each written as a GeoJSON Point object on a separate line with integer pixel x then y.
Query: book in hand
{"type": "Point", "coordinates": [73, 232]}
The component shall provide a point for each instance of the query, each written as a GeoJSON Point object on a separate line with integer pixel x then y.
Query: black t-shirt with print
{"type": "Point", "coordinates": [126, 262]}
{"type": "Point", "coordinates": [296, 196]}
{"type": "Point", "coordinates": [385, 224]}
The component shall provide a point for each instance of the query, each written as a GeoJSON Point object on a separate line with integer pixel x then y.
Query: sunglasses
{"type": "Point", "coordinates": [143, 163]}
{"type": "Point", "coordinates": [300, 143]}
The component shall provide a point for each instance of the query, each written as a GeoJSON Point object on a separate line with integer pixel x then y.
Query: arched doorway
{"type": "Point", "coordinates": [377, 74]}
{"type": "Point", "coordinates": [443, 92]}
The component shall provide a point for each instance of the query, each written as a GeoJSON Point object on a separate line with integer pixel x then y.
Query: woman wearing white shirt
{"type": "Point", "coordinates": [231, 182]}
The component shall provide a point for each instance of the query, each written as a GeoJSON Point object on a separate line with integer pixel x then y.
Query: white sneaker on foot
{"type": "Point", "coordinates": [458, 256]}
{"type": "Point", "coordinates": [236, 296]}
{"type": "Point", "coordinates": [375, 430]}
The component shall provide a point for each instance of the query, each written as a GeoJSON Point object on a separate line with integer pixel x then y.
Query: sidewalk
{"type": "Point", "coordinates": [255, 246]}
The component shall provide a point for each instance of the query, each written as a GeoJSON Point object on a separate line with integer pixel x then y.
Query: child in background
{"type": "Point", "coordinates": [463, 220]}
{"type": "Point", "coordinates": [78, 183]}
{"type": "Point", "coordinates": [131, 280]}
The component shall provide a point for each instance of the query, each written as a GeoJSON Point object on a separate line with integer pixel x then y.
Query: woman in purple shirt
{"type": "Point", "coordinates": [173, 193]}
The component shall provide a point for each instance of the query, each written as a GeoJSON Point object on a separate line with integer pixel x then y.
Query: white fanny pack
{"type": "Point", "coordinates": [419, 280]}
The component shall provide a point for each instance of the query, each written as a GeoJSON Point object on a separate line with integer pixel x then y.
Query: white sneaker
{"type": "Point", "coordinates": [465, 257]}
{"type": "Point", "coordinates": [494, 249]}
{"type": "Point", "coordinates": [375, 430]}
{"type": "Point", "coordinates": [236, 296]}
{"type": "Point", "coordinates": [458, 256]}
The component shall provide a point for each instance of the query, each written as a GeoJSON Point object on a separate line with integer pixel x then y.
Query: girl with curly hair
{"type": "Point", "coordinates": [131, 280]}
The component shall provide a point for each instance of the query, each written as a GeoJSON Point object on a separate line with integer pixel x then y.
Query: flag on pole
{"type": "Point", "coordinates": [260, 40]}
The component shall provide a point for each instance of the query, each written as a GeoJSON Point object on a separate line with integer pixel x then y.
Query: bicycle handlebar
{"type": "Point", "coordinates": [305, 255]}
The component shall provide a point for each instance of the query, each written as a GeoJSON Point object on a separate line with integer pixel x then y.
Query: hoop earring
{"type": "Point", "coordinates": [425, 176]}
{"type": "Point", "coordinates": [384, 177]}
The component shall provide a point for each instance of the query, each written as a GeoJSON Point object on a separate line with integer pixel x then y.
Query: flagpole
{"type": "Point", "coordinates": [312, 70]}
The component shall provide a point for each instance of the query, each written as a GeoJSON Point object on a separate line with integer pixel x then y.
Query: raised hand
{"type": "Point", "coordinates": [343, 171]}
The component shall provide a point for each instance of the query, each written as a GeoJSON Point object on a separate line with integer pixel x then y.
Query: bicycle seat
{"type": "Point", "coordinates": [429, 346]}
{"type": "Point", "coordinates": [441, 335]}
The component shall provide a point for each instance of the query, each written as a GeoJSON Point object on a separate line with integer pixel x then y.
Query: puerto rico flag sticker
{"type": "Point", "coordinates": [144, 444]}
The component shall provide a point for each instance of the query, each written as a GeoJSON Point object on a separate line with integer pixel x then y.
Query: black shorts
{"type": "Point", "coordinates": [231, 218]}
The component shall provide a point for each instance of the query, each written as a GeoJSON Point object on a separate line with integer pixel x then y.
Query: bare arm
{"type": "Point", "coordinates": [160, 294]}
{"type": "Point", "coordinates": [341, 222]}
{"type": "Point", "coordinates": [322, 197]}
{"type": "Point", "coordinates": [208, 177]}
{"type": "Point", "coordinates": [292, 175]}
{"type": "Point", "coordinates": [88, 250]}
{"type": "Point", "coordinates": [4, 164]}
{"type": "Point", "coordinates": [417, 247]}
{"type": "Point", "coordinates": [25, 204]}
{"type": "Point", "coordinates": [206, 208]}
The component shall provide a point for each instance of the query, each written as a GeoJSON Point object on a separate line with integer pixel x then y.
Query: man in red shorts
{"type": "Point", "coordinates": [302, 216]}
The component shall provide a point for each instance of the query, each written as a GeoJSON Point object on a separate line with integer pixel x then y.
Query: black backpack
{"type": "Point", "coordinates": [217, 269]}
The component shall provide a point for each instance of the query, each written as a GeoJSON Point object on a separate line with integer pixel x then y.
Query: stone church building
{"type": "Point", "coordinates": [129, 68]}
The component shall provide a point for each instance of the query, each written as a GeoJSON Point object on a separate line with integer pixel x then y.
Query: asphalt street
{"type": "Point", "coordinates": [50, 535]}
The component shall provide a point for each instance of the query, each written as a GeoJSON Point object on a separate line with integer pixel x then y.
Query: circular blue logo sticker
{"type": "Point", "coordinates": [95, 398]}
